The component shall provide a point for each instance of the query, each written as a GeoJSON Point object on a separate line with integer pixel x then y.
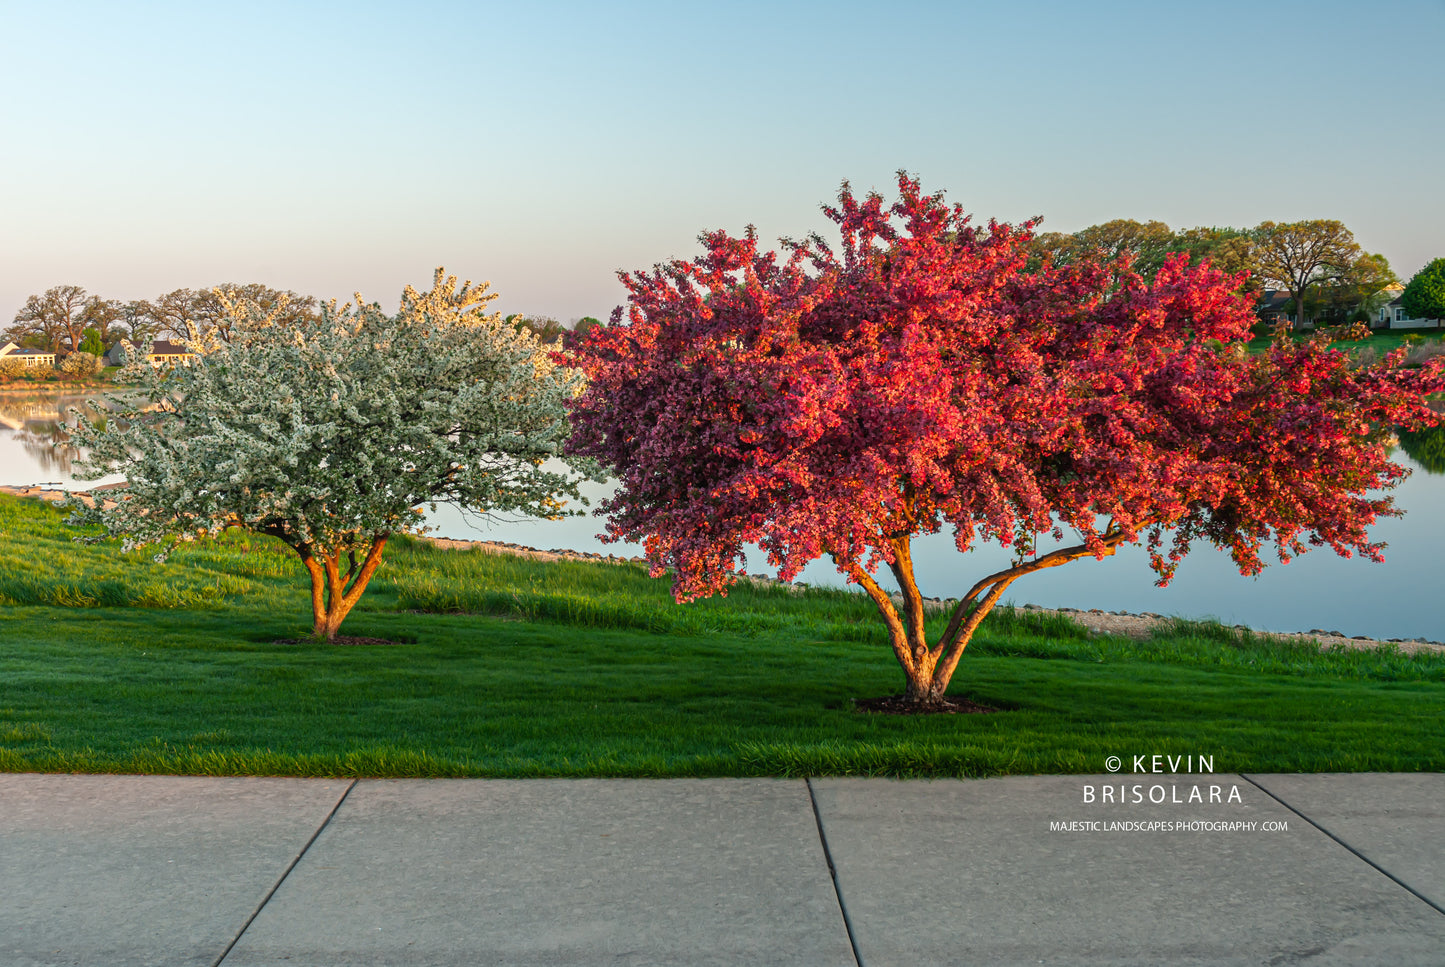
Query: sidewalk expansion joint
{"type": "Point", "coordinates": [282, 878]}
{"type": "Point", "coordinates": [1361, 856]}
{"type": "Point", "coordinates": [833, 873]}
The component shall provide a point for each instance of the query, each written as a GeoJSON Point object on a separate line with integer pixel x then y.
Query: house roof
{"type": "Point", "coordinates": [164, 347]}
{"type": "Point", "coordinates": [1273, 300]}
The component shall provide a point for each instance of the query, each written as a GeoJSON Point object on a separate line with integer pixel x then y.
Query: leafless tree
{"type": "Point", "coordinates": [55, 319]}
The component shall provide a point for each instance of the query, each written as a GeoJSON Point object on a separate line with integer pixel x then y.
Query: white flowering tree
{"type": "Point", "coordinates": [331, 434]}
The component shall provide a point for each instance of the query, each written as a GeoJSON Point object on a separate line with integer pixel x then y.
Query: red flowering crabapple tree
{"type": "Point", "coordinates": [914, 377]}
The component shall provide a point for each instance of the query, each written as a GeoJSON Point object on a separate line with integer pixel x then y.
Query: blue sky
{"type": "Point", "coordinates": [329, 147]}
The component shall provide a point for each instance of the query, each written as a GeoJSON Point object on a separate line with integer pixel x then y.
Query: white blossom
{"type": "Point", "coordinates": [330, 434]}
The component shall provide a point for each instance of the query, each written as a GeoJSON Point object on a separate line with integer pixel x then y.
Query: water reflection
{"type": "Point", "coordinates": [41, 440]}
{"type": "Point", "coordinates": [1316, 590]}
{"type": "Point", "coordinates": [1319, 590]}
{"type": "Point", "coordinates": [33, 439]}
{"type": "Point", "coordinates": [1426, 447]}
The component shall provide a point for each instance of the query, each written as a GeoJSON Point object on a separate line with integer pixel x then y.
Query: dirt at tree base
{"type": "Point", "coordinates": [901, 705]}
{"type": "Point", "coordinates": [339, 640]}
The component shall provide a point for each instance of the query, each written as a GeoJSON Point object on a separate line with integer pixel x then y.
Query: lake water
{"type": "Point", "coordinates": [1398, 599]}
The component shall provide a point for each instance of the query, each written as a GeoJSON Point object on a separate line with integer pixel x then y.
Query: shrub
{"type": "Point", "coordinates": [81, 364]}
{"type": "Point", "coordinates": [11, 368]}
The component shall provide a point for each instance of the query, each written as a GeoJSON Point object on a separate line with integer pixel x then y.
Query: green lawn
{"type": "Point", "coordinates": [1382, 341]}
{"type": "Point", "coordinates": [506, 667]}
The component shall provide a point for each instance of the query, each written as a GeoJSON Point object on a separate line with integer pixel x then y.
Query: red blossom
{"type": "Point", "coordinates": [916, 377]}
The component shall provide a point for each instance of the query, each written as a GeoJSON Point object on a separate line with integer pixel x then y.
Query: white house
{"type": "Point", "coordinates": [1393, 315]}
{"type": "Point", "coordinates": [166, 353]}
{"type": "Point", "coordinates": [31, 357]}
{"type": "Point", "coordinates": [162, 352]}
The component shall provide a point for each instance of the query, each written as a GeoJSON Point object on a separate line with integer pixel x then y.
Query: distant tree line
{"type": "Point", "coordinates": [1315, 263]}
{"type": "Point", "coordinates": [64, 317]}
{"type": "Point", "coordinates": [550, 330]}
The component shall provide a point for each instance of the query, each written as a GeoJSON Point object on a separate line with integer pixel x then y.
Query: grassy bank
{"type": "Point", "coordinates": [53, 381]}
{"type": "Point", "coordinates": [508, 667]}
{"type": "Point", "coordinates": [1423, 343]}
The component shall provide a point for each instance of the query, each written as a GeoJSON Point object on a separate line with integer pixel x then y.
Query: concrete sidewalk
{"type": "Point", "coordinates": [1307, 869]}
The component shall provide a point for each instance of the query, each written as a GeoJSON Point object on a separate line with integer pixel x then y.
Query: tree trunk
{"type": "Point", "coordinates": [921, 688]}
{"type": "Point", "coordinates": [333, 594]}
{"type": "Point", "coordinates": [928, 670]}
{"type": "Point", "coordinates": [925, 680]}
{"type": "Point", "coordinates": [1303, 322]}
{"type": "Point", "coordinates": [922, 685]}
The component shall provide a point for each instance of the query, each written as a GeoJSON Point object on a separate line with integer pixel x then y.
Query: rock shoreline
{"type": "Point", "coordinates": [1138, 626]}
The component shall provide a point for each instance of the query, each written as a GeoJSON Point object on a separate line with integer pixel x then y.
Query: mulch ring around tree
{"type": "Point", "coordinates": [900, 705]}
{"type": "Point", "coordinates": [340, 640]}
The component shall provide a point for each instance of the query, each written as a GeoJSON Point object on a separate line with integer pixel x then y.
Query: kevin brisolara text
{"type": "Point", "coordinates": [1173, 793]}
{"type": "Point", "coordinates": [1167, 826]}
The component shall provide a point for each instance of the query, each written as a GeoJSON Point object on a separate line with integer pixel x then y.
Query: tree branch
{"type": "Point", "coordinates": [898, 638]}
{"type": "Point", "coordinates": [902, 568]}
{"type": "Point", "coordinates": [1113, 535]}
{"type": "Point", "coordinates": [368, 568]}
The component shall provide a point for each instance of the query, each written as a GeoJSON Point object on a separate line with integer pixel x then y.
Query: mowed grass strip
{"type": "Point", "coordinates": [508, 667]}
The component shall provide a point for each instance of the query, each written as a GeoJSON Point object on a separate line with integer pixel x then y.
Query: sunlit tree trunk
{"type": "Point", "coordinates": [334, 592]}
{"type": "Point", "coordinates": [927, 670]}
